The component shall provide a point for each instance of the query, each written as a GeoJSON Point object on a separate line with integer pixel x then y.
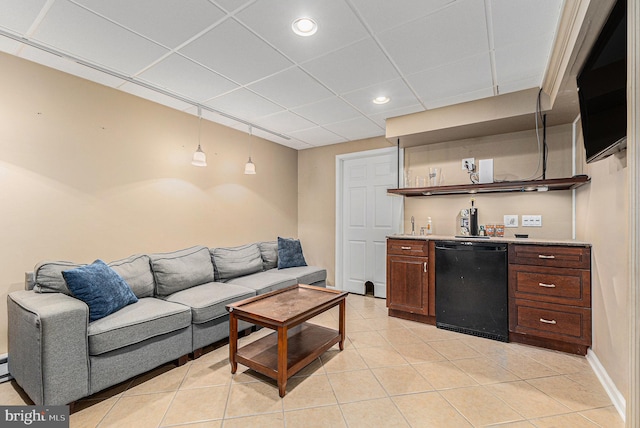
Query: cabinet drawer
{"type": "Point", "coordinates": [559, 322]}
{"type": "Point", "coordinates": [407, 247]}
{"type": "Point", "coordinates": [551, 255]}
{"type": "Point", "coordinates": [553, 285]}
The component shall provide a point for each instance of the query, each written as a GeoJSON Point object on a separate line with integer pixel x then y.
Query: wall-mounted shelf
{"type": "Point", "coordinates": [499, 187]}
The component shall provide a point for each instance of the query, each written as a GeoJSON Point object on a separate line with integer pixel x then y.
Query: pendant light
{"type": "Point", "coordinates": [250, 167]}
{"type": "Point", "coordinates": [199, 158]}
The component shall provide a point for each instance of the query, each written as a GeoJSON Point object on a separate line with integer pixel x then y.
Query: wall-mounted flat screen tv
{"type": "Point", "coordinates": [602, 89]}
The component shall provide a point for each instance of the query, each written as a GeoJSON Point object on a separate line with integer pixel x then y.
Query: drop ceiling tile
{"type": "Point", "coordinates": [337, 26]}
{"type": "Point", "coordinates": [516, 22]}
{"type": "Point", "coordinates": [291, 88]}
{"type": "Point", "coordinates": [285, 122]}
{"type": "Point", "coordinates": [219, 50]}
{"type": "Point", "coordinates": [460, 98]}
{"type": "Point", "coordinates": [187, 78]}
{"type": "Point", "coordinates": [72, 29]}
{"type": "Point", "coordinates": [520, 84]}
{"type": "Point", "coordinates": [169, 22]}
{"type": "Point", "coordinates": [243, 104]}
{"type": "Point", "coordinates": [231, 5]}
{"type": "Point", "coordinates": [461, 77]}
{"type": "Point", "coordinates": [156, 97]}
{"type": "Point", "coordinates": [356, 66]}
{"type": "Point", "coordinates": [399, 93]}
{"type": "Point", "coordinates": [217, 118]}
{"type": "Point", "coordinates": [317, 136]}
{"type": "Point", "coordinates": [522, 60]}
{"type": "Point", "coordinates": [454, 32]}
{"type": "Point", "coordinates": [68, 66]}
{"type": "Point", "coordinates": [356, 129]}
{"type": "Point", "coordinates": [18, 15]}
{"type": "Point", "coordinates": [384, 14]}
{"type": "Point", "coordinates": [327, 111]}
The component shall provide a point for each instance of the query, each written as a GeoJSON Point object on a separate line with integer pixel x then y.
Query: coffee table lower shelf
{"type": "Point", "coordinates": [304, 344]}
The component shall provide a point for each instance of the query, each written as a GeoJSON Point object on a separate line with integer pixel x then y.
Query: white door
{"type": "Point", "coordinates": [368, 215]}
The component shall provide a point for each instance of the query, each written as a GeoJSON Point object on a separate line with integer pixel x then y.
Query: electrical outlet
{"type": "Point", "coordinates": [511, 220]}
{"type": "Point", "coordinates": [469, 164]}
{"type": "Point", "coordinates": [532, 220]}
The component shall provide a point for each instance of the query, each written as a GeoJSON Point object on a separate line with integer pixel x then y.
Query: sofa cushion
{"type": "Point", "coordinates": [232, 262]}
{"type": "Point", "coordinates": [181, 269]}
{"type": "Point", "coordinates": [148, 317]}
{"type": "Point", "coordinates": [48, 277]}
{"type": "Point", "coordinates": [305, 274]}
{"type": "Point", "coordinates": [208, 301]}
{"type": "Point", "coordinates": [290, 253]}
{"type": "Point", "coordinates": [269, 252]}
{"type": "Point", "coordinates": [100, 287]}
{"type": "Point", "coordinates": [263, 282]}
{"type": "Point", "coordinates": [136, 271]}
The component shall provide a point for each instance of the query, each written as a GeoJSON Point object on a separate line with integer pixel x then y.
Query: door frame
{"type": "Point", "coordinates": [340, 160]}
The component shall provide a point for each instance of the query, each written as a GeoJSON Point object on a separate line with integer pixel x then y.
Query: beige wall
{"type": "Point", "coordinates": [515, 157]}
{"type": "Point", "coordinates": [317, 200]}
{"type": "Point", "coordinates": [602, 220]}
{"type": "Point", "coordinates": [90, 172]}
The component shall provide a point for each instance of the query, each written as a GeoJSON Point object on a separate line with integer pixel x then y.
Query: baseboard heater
{"type": "Point", "coordinates": [4, 368]}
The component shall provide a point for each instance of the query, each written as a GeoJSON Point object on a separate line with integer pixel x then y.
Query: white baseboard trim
{"type": "Point", "coordinates": [612, 391]}
{"type": "Point", "coordinates": [4, 369]}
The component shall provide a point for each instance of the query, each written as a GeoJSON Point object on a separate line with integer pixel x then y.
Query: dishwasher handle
{"type": "Point", "coordinates": [470, 246]}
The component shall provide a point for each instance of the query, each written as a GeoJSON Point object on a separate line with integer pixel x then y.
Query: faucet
{"type": "Point", "coordinates": [413, 225]}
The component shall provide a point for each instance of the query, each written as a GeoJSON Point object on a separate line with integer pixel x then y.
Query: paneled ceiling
{"type": "Point", "coordinates": [242, 63]}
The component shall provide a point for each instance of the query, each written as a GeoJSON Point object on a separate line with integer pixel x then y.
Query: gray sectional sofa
{"type": "Point", "coordinates": [58, 356]}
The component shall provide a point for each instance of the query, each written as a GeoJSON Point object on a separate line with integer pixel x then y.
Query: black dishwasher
{"type": "Point", "coordinates": [471, 288]}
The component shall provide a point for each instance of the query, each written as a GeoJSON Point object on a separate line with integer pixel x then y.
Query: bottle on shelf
{"type": "Point", "coordinates": [429, 226]}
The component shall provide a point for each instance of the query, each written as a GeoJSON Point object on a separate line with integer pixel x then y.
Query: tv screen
{"type": "Point", "coordinates": [602, 88]}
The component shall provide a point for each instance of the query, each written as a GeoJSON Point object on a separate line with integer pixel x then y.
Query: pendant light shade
{"type": "Point", "coordinates": [199, 157]}
{"type": "Point", "coordinates": [250, 167]}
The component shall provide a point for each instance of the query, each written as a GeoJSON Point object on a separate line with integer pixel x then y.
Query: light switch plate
{"type": "Point", "coordinates": [510, 221]}
{"type": "Point", "coordinates": [532, 220]}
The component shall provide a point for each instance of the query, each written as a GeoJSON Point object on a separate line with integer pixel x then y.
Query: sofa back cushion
{"type": "Point", "coordinates": [181, 269]}
{"type": "Point", "coordinates": [232, 262]}
{"type": "Point", "coordinates": [48, 277]}
{"type": "Point", "coordinates": [269, 252]}
{"type": "Point", "coordinates": [136, 271]}
{"type": "Point", "coordinates": [290, 253]}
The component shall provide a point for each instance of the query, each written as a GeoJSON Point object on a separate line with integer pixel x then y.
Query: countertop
{"type": "Point", "coordinates": [509, 240]}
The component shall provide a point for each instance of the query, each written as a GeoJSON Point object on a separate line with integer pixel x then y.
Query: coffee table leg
{"type": "Point", "coordinates": [341, 325]}
{"type": "Point", "coordinates": [233, 341]}
{"type": "Point", "coordinates": [282, 360]}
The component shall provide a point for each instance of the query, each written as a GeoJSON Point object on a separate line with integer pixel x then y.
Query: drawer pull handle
{"type": "Point", "coordinates": [547, 321]}
{"type": "Point", "coordinates": [542, 284]}
{"type": "Point", "coordinates": [425, 266]}
{"type": "Point", "coordinates": [405, 248]}
{"type": "Point", "coordinates": [542, 256]}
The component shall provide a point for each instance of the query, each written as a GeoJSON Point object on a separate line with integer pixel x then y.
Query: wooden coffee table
{"type": "Point", "coordinates": [295, 343]}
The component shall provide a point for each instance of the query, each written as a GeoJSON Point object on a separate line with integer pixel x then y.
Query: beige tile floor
{"type": "Point", "coordinates": [392, 373]}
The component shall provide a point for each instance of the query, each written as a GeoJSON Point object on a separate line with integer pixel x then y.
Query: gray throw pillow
{"type": "Point", "coordinates": [232, 262]}
{"type": "Point", "coordinates": [290, 253]}
{"type": "Point", "coordinates": [100, 287]}
{"type": "Point", "coordinates": [269, 252]}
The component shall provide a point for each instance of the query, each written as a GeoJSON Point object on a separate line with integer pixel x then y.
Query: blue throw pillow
{"type": "Point", "coordinates": [290, 253]}
{"type": "Point", "coordinates": [100, 287]}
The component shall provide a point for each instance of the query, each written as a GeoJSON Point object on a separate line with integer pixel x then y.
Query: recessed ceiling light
{"type": "Point", "coordinates": [381, 100]}
{"type": "Point", "coordinates": [304, 27]}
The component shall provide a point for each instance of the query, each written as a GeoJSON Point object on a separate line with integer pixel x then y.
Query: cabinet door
{"type": "Point", "coordinates": [407, 284]}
